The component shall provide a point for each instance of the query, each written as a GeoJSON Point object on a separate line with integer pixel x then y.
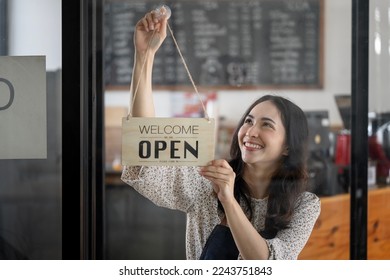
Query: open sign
{"type": "Point", "coordinates": [167, 141]}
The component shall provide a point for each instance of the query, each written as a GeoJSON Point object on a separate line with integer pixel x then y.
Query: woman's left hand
{"type": "Point", "coordinates": [221, 174]}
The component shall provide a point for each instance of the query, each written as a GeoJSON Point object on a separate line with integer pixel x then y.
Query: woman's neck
{"type": "Point", "coordinates": [257, 180]}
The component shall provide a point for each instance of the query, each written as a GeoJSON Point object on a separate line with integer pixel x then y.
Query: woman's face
{"type": "Point", "coordinates": [262, 136]}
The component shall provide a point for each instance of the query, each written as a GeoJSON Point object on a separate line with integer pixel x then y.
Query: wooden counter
{"type": "Point", "coordinates": [330, 237]}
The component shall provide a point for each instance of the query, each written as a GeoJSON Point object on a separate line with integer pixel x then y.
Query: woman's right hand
{"type": "Point", "coordinates": [150, 31]}
{"type": "Point", "coordinates": [221, 174]}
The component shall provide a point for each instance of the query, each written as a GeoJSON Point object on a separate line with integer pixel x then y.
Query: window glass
{"type": "Point", "coordinates": [379, 130]}
{"type": "Point", "coordinates": [30, 138]}
{"type": "Point", "coordinates": [305, 52]}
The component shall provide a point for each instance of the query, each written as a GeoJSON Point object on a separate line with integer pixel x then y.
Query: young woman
{"type": "Point", "coordinates": [254, 206]}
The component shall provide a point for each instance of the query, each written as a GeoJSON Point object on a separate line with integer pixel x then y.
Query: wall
{"type": "Point", "coordinates": [26, 17]}
{"type": "Point", "coordinates": [379, 76]}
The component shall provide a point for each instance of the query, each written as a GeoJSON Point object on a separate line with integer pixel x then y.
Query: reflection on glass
{"type": "Point", "coordinates": [379, 130]}
{"type": "Point", "coordinates": [219, 53]}
{"type": "Point", "coordinates": [30, 189]}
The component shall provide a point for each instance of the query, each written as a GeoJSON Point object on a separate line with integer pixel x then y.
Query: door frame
{"type": "Point", "coordinates": [82, 130]}
{"type": "Point", "coordinates": [359, 134]}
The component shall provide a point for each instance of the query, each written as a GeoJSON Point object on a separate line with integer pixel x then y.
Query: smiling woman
{"type": "Point", "coordinates": [256, 205]}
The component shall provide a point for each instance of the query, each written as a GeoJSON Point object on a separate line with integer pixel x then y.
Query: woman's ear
{"type": "Point", "coordinates": [285, 151]}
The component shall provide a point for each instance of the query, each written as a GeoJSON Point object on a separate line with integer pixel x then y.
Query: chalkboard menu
{"type": "Point", "coordinates": [226, 43]}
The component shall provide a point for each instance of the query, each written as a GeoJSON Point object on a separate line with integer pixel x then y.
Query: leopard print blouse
{"type": "Point", "coordinates": [182, 188]}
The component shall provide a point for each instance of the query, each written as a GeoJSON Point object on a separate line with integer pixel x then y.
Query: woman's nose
{"type": "Point", "coordinates": [252, 132]}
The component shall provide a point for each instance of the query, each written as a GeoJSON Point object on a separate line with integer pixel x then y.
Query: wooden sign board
{"type": "Point", "coordinates": [167, 141]}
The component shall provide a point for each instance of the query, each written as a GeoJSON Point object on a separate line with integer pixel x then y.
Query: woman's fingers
{"type": "Point", "coordinates": [150, 33]}
{"type": "Point", "coordinates": [219, 171]}
{"type": "Point", "coordinates": [219, 162]}
{"type": "Point", "coordinates": [218, 167]}
{"type": "Point", "coordinates": [222, 177]}
{"type": "Point", "coordinates": [214, 172]}
{"type": "Point", "coordinates": [150, 22]}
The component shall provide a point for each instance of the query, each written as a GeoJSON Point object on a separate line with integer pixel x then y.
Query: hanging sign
{"type": "Point", "coordinates": [23, 125]}
{"type": "Point", "coordinates": [168, 141]}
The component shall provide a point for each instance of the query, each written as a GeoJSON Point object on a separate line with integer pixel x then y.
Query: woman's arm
{"type": "Point", "coordinates": [287, 244]}
{"type": "Point", "coordinates": [249, 242]}
{"type": "Point", "coordinates": [149, 34]}
{"type": "Point", "coordinates": [167, 186]}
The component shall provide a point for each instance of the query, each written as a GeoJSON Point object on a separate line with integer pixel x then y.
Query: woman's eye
{"type": "Point", "coordinates": [248, 121]}
{"type": "Point", "coordinates": [267, 124]}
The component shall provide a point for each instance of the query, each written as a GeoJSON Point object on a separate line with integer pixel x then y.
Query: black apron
{"type": "Point", "coordinates": [220, 245]}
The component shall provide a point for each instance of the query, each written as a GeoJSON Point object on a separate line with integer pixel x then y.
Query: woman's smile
{"type": "Point", "coordinates": [251, 146]}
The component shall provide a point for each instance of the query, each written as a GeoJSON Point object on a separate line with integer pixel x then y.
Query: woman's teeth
{"type": "Point", "coordinates": [254, 146]}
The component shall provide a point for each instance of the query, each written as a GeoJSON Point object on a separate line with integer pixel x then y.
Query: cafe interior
{"type": "Point", "coordinates": [330, 57]}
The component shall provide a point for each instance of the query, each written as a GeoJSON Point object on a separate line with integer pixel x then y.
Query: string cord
{"type": "Point", "coordinates": [188, 72]}
{"type": "Point", "coordinates": [185, 66]}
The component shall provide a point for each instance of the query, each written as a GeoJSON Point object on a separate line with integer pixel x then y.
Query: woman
{"type": "Point", "coordinates": [253, 207]}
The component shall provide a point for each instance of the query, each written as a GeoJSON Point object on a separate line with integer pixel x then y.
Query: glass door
{"type": "Point", "coordinates": [51, 129]}
{"type": "Point", "coordinates": [30, 130]}
{"type": "Point", "coordinates": [317, 34]}
{"type": "Point", "coordinates": [379, 131]}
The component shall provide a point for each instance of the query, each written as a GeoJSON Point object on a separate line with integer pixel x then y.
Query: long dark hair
{"type": "Point", "coordinates": [290, 180]}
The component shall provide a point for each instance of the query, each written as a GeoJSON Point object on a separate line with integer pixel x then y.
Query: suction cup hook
{"type": "Point", "coordinates": [163, 11]}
